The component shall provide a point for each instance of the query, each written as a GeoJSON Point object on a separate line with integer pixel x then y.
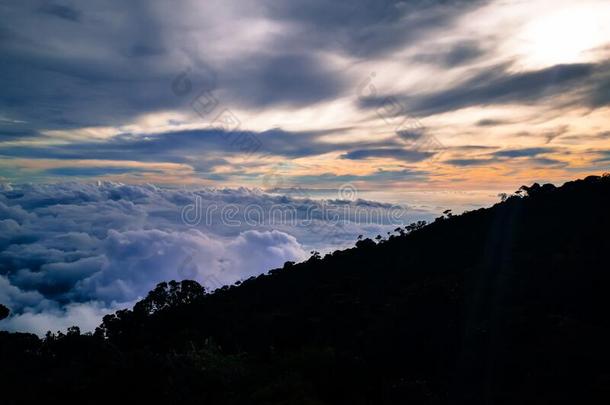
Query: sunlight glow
{"type": "Point", "coordinates": [567, 35]}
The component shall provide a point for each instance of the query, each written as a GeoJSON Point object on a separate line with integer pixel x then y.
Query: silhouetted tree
{"type": "Point", "coordinates": [365, 243]}
{"type": "Point", "coordinates": [168, 295]}
{"type": "Point", "coordinates": [315, 255]}
{"type": "Point", "coordinates": [416, 226]}
{"type": "Point", "coordinates": [73, 331]}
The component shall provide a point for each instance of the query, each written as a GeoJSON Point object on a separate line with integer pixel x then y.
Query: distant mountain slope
{"type": "Point", "coordinates": [501, 305]}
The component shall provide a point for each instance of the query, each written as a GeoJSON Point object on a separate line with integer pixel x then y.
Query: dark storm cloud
{"type": "Point", "coordinates": [461, 53]}
{"type": "Point", "coordinates": [202, 149]}
{"type": "Point", "coordinates": [11, 132]}
{"type": "Point", "coordinates": [380, 175]}
{"type": "Point", "coordinates": [581, 138]}
{"type": "Point", "coordinates": [471, 148]}
{"type": "Point", "coordinates": [496, 85]}
{"type": "Point", "coordinates": [285, 79]}
{"type": "Point", "coordinates": [470, 162]}
{"type": "Point", "coordinates": [65, 68]}
{"type": "Point", "coordinates": [505, 156]}
{"type": "Point", "coordinates": [94, 63]}
{"type": "Point", "coordinates": [61, 11]}
{"type": "Point", "coordinates": [394, 153]}
{"type": "Point", "coordinates": [93, 171]}
{"type": "Point", "coordinates": [491, 122]}
{"type": "Point", "coordinates": [601, 94]}
{"type": "Point", "coordinates": [367, 28]}
{"type": "Point", "coordinates": [524, 152]}
{"type": "Point", "coordinates": [491, 161]}
{"type": "Point", "coordinates": [454, 55]}
{"type": "Point", "coordinates": [541, 161]}
{"type": "Point", "coordinates": [605, 157]}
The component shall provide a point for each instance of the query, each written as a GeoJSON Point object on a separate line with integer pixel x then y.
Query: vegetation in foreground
{"type": "Point", "coordinates": [502, 305]}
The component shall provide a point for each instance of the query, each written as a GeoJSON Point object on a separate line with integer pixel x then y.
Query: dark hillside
{"type": "Point", "coordinates": [503, 305]}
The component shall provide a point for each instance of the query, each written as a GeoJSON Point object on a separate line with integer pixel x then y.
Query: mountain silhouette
{"type": "Point", "coordinates": [503, 305]}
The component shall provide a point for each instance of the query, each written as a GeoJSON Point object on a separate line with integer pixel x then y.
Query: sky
{"type": "Point", "coordinates": [117, 117]}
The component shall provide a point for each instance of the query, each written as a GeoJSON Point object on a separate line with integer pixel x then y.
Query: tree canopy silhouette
{"type": "Point", "coordinates": [4, 312]}
{"type": "Point", "coordinates": [170, 295]}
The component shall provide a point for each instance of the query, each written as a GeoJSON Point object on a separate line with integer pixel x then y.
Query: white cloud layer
{"type": "Point", "coordinates": [69, 253]}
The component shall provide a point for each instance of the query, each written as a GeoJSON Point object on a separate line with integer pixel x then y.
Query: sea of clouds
{"type": "Point", "coordinates": [70, 253]}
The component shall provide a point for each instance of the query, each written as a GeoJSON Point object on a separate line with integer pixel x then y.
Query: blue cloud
{"type": "Point", "coordinates": [61, 11]}
{"type": "Point", "coordinates": [202, 149]}
{"type": "Point", "coordinates": [395, 153]}
{"type": "Point", "coordinates": [457, 54]}
{"type": "Point", "coordinates": [470, 162]}
{"type": "Point", "coordinates": [491, 122]}
{"type": "Point", "coordinates": [94, 171]}
{"type": "Point", "coordinates": [523, 152]}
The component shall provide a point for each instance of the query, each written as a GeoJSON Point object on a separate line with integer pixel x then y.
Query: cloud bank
{"type": "Point", "coordinates": [71, 252]}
